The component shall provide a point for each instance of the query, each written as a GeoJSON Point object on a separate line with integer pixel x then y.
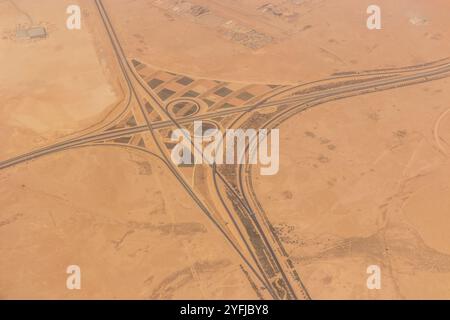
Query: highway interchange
{"type": "Point", "coordinates": [249, 232]}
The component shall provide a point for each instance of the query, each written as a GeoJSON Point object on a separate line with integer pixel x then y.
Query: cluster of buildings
{"type": "Point", "coordinates": [35, 32]}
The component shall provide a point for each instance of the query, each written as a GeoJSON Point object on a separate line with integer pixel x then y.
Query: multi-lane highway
{"type": "Point", "coordinates": [250, 233]}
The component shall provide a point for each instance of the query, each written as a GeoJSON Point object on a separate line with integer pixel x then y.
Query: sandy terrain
{"type": "Point", "coordinates": [128, 237]}
{"type": "Point", "coordinates": [314, 42]}
{"type": "Point", "coordinates": [364, 186]}
{"type": "Point", "coordinates": [362, 181]}
{"type": "Point", "coordinates": [51, 87]}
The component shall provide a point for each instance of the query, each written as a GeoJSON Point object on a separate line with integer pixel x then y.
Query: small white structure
{"type": "Point", "coordinates": [36, 32]}
{"type": "Point", "coordinates": [22, 34]}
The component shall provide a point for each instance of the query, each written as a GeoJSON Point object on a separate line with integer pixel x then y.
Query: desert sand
{"type": "Point", "coordinates": [86, 176]}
